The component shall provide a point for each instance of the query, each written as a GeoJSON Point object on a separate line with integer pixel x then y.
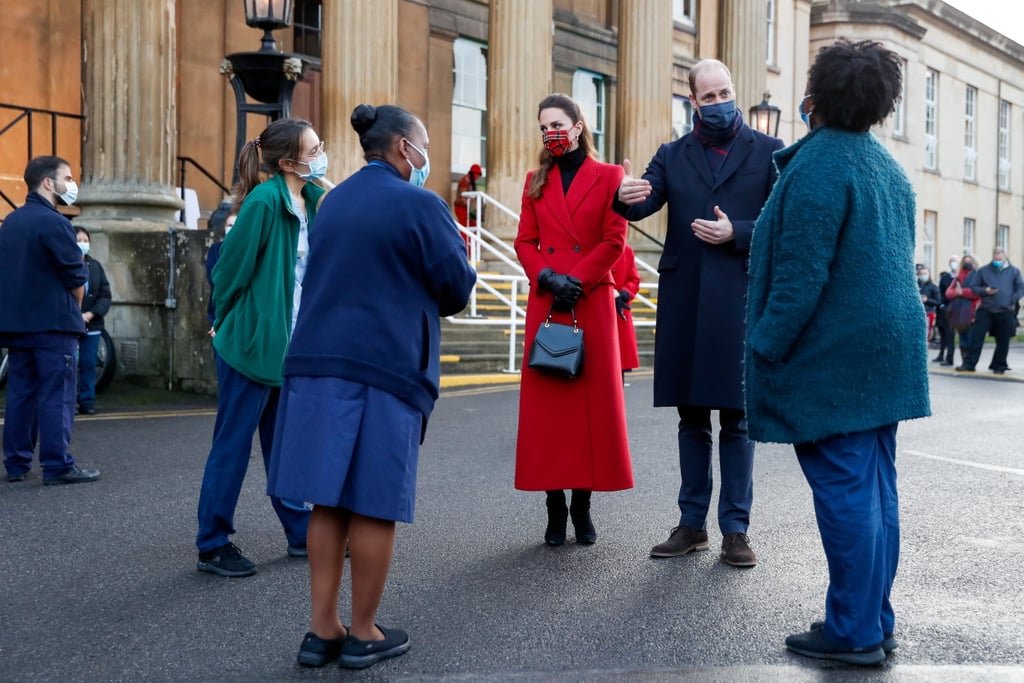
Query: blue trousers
{"type": "Point", "coordinates": [243, 408]}
{"type": "Point", "coordinates": [853, 479]}
{"type": "Point", "coordinates": [40, 401]}
{"type": "Point", "coordinates": [736, 462]}
{"type": "Point", "coordinates": [88, 347]}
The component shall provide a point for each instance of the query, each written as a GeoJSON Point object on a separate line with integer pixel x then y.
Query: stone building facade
{"type": "Point", "coordinates": [124, 89]}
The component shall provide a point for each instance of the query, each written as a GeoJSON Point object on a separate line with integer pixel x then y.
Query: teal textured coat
{"type": "Point", "coordinates": [835, 325]}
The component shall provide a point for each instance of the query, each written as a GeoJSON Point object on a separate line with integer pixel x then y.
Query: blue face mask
{"type": "Point", "coordinates": [718, 116]}
{"type": "Point", "coordinates": [805, 116]}
{"type": "Point", "coordinates": [997, 264]}
{"type": "Point", "coordinates": [317, 167]}
{"type": "Point", "coordinates": [419, 176]}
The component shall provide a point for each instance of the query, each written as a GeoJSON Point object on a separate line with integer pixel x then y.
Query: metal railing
{"type": "Point", "coordinates": [28, 115]}
{"type": "Point", "coordinates": [482, 241]}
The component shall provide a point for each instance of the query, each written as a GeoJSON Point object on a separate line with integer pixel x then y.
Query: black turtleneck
{"type": "Point", "coordinates": [568, 164]}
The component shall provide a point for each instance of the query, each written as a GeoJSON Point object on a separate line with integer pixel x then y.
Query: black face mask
{"type": "Point", "coordinates": [968, 266]}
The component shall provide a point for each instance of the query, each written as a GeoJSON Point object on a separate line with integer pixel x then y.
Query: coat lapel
{"type": "Point", "coordinates": [741, 149]}
{"type": "Point", "coordinates": [556, 199]}
{"type": "Point", "coordinates": [695, 153]}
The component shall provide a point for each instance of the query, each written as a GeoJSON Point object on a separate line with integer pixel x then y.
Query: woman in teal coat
{"type": "Point", "coordinates": [831, 269]}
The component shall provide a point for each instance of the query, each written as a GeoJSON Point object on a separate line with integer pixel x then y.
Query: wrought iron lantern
{"type": "Point", "coordinates": [268, 15]}
{"type": "Point", "coordinates": [765, 117]}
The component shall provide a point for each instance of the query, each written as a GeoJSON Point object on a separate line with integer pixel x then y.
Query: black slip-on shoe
{"type": "Point", "coordinates": [297, 551]}
{"type": "Point", "coordinates": [359, 654]}
{"type": "Point", "coordinates": [17, 477]}
{"type": "Point", "coordinates": [317, 651]}
{"type": "Point", "coordinates": [226, 560]}
{"type": "Point", "coordinates": [814, 644]}
{"type": "Point", "coordinates": [76, 475]}
{"type": "Point", "coordinates": [888, 640]}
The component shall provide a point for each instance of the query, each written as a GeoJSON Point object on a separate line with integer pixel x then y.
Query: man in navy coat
{"type": "Point", "coordinates": [42, 283]}
{"type": "Point", "coordinates": [715, 181]}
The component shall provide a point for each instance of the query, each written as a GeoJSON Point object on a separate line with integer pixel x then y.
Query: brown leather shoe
{"type": "Point", "coordinates": [682, 540]}
{"type": "Point", "coordinates": [736, 551]}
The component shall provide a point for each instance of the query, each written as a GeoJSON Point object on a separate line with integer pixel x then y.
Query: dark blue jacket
{"type": "Point", "coordinates": [97, 298]}
{"type": "Point", "coordinates": [698, 349]}
{"type": "Point", "coordinates": [40, 263]}
{"type": "Point", "coordinates": [386, 261]}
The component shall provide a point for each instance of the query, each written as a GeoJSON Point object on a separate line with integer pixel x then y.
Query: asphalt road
{"type": "Point", "coordinates": [98, 581]}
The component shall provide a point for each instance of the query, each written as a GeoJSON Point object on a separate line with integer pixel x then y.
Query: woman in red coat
{"type": "Point", "coordinates": [627, 284]}
{"type": "Point", "coordinates": [572, 432]}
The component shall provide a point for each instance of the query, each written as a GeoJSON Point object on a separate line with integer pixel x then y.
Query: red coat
{"type": "Point", "coordinates": [627, 278]}
{"type": "Point", "coordinates": [572, 433]}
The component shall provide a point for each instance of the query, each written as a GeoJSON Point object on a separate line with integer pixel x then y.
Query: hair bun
{"type": "Point", "coordinates": [363, 118]}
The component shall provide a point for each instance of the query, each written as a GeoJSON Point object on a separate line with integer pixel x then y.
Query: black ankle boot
{"type": "Point", "coordinates": [579, 510]}
{"type": "Point", "coordinates": [557, 517]}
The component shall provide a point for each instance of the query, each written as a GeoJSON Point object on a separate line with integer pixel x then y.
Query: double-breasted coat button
{"type": "Point", "coordinates": [551, 250]}
{"type": "Point", "coordinates": [576, 248]}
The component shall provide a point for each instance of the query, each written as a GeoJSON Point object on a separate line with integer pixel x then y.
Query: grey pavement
{"type": "Point", "coordinates": [99, 580]}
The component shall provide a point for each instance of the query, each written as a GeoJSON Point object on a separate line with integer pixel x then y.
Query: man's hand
{"type": "Point", "coordinates": [631, 190]}
{"type": "Point", "coordinates": [989, 291]}
{"type": "Point", "coordinates": [713, 232]}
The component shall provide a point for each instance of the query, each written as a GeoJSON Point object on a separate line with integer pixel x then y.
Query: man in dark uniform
{"type": "Point", "coordinates": [715, 181]}
{"type": "Point", "coordinates": [42, 283]}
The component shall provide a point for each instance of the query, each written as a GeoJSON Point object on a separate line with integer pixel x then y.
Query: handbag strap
{"type": "Point", "coordinates": [575, 324]}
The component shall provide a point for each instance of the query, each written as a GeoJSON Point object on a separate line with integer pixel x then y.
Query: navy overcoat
{"type": "Point", "coordinates": [698, 347]}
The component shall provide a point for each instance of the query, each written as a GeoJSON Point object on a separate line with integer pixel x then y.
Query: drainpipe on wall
{"type": "Point", "coordinates": [171, 304]}
{"type": "Point", "coordinates": [999, 108]}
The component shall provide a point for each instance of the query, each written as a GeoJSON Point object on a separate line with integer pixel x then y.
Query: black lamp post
{"type": "Point", "coordinates": [765, 117]}
{"type": "Point", "coordinates": [267, 76]}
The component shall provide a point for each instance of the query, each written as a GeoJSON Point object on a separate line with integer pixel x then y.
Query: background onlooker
{"type": "Point", "coordinates": [930, 297]}
{"type": "Point", "coordinates": [963, 302]}
{"type": "Point", "coordinates": [1000, 288]}
{"type": "Point", "coordinates": [95, 305]}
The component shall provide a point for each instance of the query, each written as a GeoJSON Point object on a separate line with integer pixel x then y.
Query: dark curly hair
{"type": "Point", "coordinates": [854, 85]}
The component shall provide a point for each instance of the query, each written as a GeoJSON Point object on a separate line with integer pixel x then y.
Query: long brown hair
{"type": "Point", "coordinates": [547, 159]}
{"type": "Point", "coordinates": [282, 139]}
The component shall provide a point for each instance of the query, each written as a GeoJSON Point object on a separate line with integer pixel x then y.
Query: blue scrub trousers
{"type": "Point", "coordinates": [853, 479]}
{"type": "Point", "coordinates": [40, 401]}
{"type": "Point", "coordinates": [736, 463]}
{"type": "Point", "coordinates": [243, 407]}
{"type": "Point", "coordinates": [88, 348]}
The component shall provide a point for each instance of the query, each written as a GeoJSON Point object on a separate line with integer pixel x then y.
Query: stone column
{"type": "Point", "coordinates": [644, 111]}
{"type": "Point", "coordinates": [360, 66]}
{"type": "Point", "coordinates": [519, 71]}
{"type": "Point", "coordinates": [128, 150]}
{"type": "Point", "coordinates": [743, 46]}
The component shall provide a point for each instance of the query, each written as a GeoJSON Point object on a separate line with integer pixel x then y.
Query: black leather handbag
{"type": "Point", "coordinates": [558, 349]}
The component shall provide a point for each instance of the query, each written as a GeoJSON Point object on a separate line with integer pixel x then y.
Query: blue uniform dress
{"type": "Point", "coordinates": [363, 368]}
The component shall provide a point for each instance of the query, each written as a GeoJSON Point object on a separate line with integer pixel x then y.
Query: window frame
{"type": "Point", "coordinates": [970, 225]}
{"type": "Point", "coordinates": [1003, 237]}
{"type": "Point", "coordinates": [473, 103]}
{"type": "Point", "coordinates": [970, 133]}
{"type": "Point", "coordinates": [598, 123]}
{"type": "Point", "coordinates": [931, 120]}
{"type": "Point", "coordinates": [687, 119]}
{"type": "Point", "coordinates": [1003, 163]}
{"type": "Point", "coordinates": [684, 12]}
{"type": "Point", "coordinates": [899, 114]}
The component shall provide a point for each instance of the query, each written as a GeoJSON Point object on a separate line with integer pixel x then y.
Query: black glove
{"type": "Point", "coordinates": [622, 303]}
{"type": "Point", "coordinates": [566, 288]}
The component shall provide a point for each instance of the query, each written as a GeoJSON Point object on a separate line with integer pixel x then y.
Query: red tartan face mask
{"type": "Point", "coordinates": [557, 142]}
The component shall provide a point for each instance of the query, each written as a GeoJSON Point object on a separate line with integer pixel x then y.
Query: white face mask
{"type": "Point", "coordinates": [954, 266]}
{"type": "Point", "coordinates": [70, 193]}
{"type": "Point", "coordinates": [84, 246]}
